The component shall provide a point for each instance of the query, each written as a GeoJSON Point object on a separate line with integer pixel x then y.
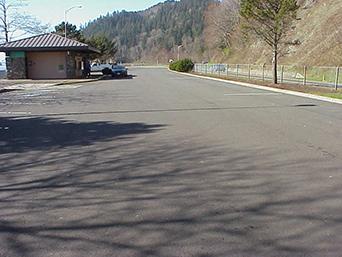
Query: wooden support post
{"type": "Point", "coordinates": [263, 72]}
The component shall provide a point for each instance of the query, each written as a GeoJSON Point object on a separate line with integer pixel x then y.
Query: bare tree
{"type": "Point", "coordinates": [221, 21]}
{"type": "Point", "coordinates": [15, 22]}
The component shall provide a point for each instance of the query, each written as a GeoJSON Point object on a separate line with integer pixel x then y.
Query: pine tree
{"type": "Point", "coordinates": [270, 20]}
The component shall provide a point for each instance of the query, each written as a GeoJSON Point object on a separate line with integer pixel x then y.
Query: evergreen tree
{"type": "Point", "coordinates": [72, 31]}
{"type": "Point", "coordinates": [270, 20]}
{"type": "Point", "coordinates": [107, 47]}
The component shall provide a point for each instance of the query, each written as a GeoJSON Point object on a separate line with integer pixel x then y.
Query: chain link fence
{"type": "Point", "coordinates": [305, 75]}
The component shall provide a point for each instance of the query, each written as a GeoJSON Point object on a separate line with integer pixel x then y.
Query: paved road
{"type": "Point", "coordinates": [168, 165]}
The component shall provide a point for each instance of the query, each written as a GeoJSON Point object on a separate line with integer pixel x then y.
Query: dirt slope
{"type": "Point", "coordinates": [319, 29]}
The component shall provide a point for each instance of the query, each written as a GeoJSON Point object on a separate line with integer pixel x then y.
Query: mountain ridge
{"type": "Point", "coordinates": [154, 34]}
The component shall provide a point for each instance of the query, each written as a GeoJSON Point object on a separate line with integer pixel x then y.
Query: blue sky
{"type": "Point", "coordinates": [52, 11]}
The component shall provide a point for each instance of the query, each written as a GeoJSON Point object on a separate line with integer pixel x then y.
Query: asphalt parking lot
{"type": "Point", "coordinates": [166, 165]}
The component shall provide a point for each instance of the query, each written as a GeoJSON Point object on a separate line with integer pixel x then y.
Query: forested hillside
{"type": "Point", "coordinates": [209, 30]}
{"type": "Point", "coordinates": [154, 34]}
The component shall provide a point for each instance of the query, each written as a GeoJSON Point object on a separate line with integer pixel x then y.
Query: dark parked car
{"type": "Point", "coordinates": [116, 71]}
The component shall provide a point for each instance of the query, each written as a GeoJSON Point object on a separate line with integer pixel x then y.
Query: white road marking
{"type": "Point", "coordinates": [43, 87]}
{"type": "Point", "coordinates": [252, 94]}
{"type": "Point", "coordinates": [69, 86]}
{"type": "Point", "coordinates": [283, 91]}
{"type": "Point", "coordinates": [19, 103]}
{"type": "Point", "coordinates": [16, 113]}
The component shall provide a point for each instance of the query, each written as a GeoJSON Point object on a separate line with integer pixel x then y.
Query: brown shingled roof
{"type": "Point", "coordinates": [46, 42]}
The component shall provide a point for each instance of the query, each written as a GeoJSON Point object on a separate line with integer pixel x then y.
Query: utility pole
{"type": "Point", "coordinates": [65, 18]}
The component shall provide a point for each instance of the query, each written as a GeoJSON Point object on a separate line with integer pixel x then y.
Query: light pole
{"type": "Point", "coordinates": [178, 56]}
{"type": "Point", "coordinates": [65, 18]}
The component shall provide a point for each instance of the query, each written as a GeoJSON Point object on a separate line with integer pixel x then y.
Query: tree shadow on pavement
{"type": "Point", "coordinates": [133, 194]}
{"type": "Point", "coordinates": [38, 133]}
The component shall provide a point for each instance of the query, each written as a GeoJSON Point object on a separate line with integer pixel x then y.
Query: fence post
{"type": "Point", "coordinates": [282, 74]}
{"type": "Point", "coordinates": [305, 75]}
{"type": "Point", "coordinates": [249, 71]}
{"type": "Point", "coordinates": [227, 67]}
{"type": "Point", "coordinates": [237, 70]}
{"type": "Point", "coordinates": [337, 77]}
{"type": "Point", "coordinates": [263, 72]}
{"type": "Point", "coordinates": [219, 70]}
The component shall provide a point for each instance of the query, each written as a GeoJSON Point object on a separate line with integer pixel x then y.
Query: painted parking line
{"type": "Point", "coordinates": [252, 94]}
{"type": "Point", "coordinates": [249, 85]}
{"type": "Point", "coordinates": [20, 103]}
{"type": "Point", "coordinates": [15, 113]}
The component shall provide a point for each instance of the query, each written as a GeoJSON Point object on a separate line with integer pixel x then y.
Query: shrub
{"type": "Point", "coordinates": [185, 65]}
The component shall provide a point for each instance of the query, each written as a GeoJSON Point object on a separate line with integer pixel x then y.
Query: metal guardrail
{"type": "Point", "coordinates": [305, 75]}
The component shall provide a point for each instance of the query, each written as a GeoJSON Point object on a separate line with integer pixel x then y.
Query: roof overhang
{"type": "Point", "coordinates": [47, 43]}
{"type": "Point", "coordinates": [50, 49]}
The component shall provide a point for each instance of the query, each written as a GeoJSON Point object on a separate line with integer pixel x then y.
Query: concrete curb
{"type": "Point", "coordinates": [277, 90]}
{"type": "Point", "coordinates": [77, 82]}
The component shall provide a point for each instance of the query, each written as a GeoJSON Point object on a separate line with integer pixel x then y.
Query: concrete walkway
{"type": "Point", "coordinates": [28, 84]}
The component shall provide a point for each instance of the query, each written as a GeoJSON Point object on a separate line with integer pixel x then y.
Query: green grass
{"type": "Point", "coordinates": [337, 95]}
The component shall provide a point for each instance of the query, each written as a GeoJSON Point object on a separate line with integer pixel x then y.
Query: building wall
{"type": "Point", "coordinates": [70, 65]}
{"type": "Point", "coordinates": [74, 64]}
{"type": "Point", "coordinates": [3, 74]}
{"type": "Point", "coordinates": [46, 65]}
{"type": "Point", "coordinates": [16, 65]}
